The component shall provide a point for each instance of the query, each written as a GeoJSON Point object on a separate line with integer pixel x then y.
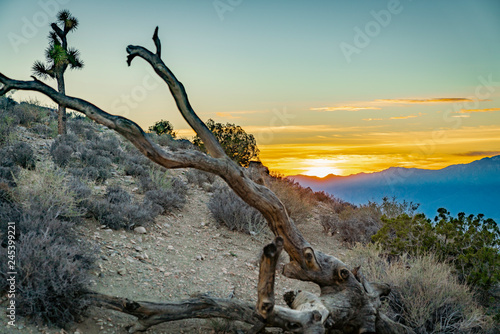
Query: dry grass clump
{"type": "Point", "coordinates": [425, 295]}
{"type": "Point", "coordinates": [298, 201]}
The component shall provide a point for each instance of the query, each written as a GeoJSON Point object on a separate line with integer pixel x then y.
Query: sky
{"type": "Point", "coordinates": [334, 86]}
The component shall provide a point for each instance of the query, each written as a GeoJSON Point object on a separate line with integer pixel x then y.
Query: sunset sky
{"type": "Point", "coordinates": [332, 86]}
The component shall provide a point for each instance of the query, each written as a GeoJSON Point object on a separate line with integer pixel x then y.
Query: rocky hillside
{"type": "Point", "coordinates": [183, 252]}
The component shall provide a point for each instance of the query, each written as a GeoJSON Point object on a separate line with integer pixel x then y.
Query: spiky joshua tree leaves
{"type": "Point", "coordinates": [58, 58]}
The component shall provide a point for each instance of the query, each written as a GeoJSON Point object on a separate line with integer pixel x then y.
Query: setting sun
{"type": "Point", "coordinates": [321, 168]}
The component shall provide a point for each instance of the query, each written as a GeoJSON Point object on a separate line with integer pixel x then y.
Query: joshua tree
{"type": "Point", "coordinates": [348, 302]}
{"type": "Point", "coordinates": [59, 57]}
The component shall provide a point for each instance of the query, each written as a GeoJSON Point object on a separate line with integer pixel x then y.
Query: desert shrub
{"type": "Point", "coordinates": [45, 192]}
{"type": "Point", "coordinates": [54, 266]}
{"type": "Point", "coordinates": [425, 295]}
{"type": "Point", "coordinates": [298, 201]}
{"type": "Point", "coordinates": [42, 129]}
{"type": "Point", "coordinates": [160, 178]}
{"type": "Point", "coordinates": [163, 190]}
{"type": "Point", "coordinates": [23, 155]}
{"type": "Point", "coordinates": [61, 155]}
{"type": "Point", "coordinates": [10, 210]}
{"type": "Point", "coordinates": [231, 211]}
{"type": "Point", "coordinates": [52, 261]}
{"type": "Point", "coordinates": [8, 168]}
{"type": "Point", "coordinates": [26, 113]}
{"type": "Point", "coordinates": [8, 123]}
{"type": "Point", "coordinates": [134, 169]}
{"type": "Point", "coordinates": [200, 178]}
{"type": "Point", "coordinates": [98, 175]}
{"type": "Point", "coordinates": [82, 127]}
{"type": "Point", "coordinates": [7, 103]}
{"type": "Point", "coordinates": [470, 243]}
{"type": "Point", "coordinates": [238, 145]}
{"type": "Point", "coordinates": [167, 199]}
{"type": "Point", "coordinates": [90, 158]}
{"type": "Point", "coordinates": [334, 204]}
{"type": "Point", "coordinates": [117, 210]}
{"type": "Point", "coordinates": [353, 224]}
{"type": "Point", "coordinates": [163, 127]}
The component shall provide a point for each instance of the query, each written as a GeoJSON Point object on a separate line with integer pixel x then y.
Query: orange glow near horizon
{"type": "Point", "coordinates": [320, 167]}
{"type": "Point", "coordinates": [367, 150]}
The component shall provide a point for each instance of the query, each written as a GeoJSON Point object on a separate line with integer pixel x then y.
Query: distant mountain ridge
{"type": "Point", "coordinates": [470, 188]}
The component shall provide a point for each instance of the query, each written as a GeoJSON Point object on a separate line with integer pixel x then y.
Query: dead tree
{"type": "Point", "coordinates": [348, 303]}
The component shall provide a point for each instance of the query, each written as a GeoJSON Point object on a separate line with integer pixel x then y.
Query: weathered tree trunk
{"type": "Point", "coordinates": [61, 110]}
{"type": "Point", "coordinates": [348, 302]}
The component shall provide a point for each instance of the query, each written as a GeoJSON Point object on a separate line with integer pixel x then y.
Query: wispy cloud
{"type": "Point", "coordinates": [226, 115]}
{"type": "Point", "coordinates": [403, 117]}
{"type": "Point", "coordinates": [431, 100]}
{"type": "Point", "coordinates": [479, 154]}
{"type": "Point", "coordinates": [461, 116]}
{"type": "Point", "coordinates": [239, 113]}
{"type": "Point", "coordinates": [469, 111]}
{"type": "Point", "coordinates": [347, 108]}
{"type": "Point", "coordinates": [372, 119]}
{"type": "Point", "coordinates": [409, 116]}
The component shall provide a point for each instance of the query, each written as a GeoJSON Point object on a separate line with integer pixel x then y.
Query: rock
{"type": "Point", "coordinates": [140, 230]}
{"type": "Point", "coordinates": [121, 271]}
{"type": "Point", "coordinates": [200, 257]}
{"type": "Point", "coordinates": [138, 248]}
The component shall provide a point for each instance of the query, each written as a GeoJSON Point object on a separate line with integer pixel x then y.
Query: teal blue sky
{"type": "Point", "coordinates": [342, 86]}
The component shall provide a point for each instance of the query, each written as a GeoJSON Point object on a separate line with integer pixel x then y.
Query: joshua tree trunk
{"type": "Point", "coordinates": [61, 110]}
{"type": "Point", "coordinates": [348, 303]}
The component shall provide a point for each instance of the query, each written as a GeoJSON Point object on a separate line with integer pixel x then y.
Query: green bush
{"type": "Point", "coordinates": [471, 243]}
{"type": "Point", "coordinates": [163, 127]}
{"type": "Point", "coordinates": [238, 145]}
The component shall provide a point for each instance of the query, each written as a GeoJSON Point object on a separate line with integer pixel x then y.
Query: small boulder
{"type": "Point", "coordinates": [140, 230]}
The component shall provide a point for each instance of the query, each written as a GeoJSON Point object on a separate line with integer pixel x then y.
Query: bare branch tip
{"type": "Point", "coordinates": [156, 39]}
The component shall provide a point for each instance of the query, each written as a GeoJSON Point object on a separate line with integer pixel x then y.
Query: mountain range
{"type": "Point", "coordinates": [472, 188]}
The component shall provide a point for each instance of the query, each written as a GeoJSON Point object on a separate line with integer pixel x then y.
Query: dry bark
{"type": "Point", "coordinates": [348, 302]}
